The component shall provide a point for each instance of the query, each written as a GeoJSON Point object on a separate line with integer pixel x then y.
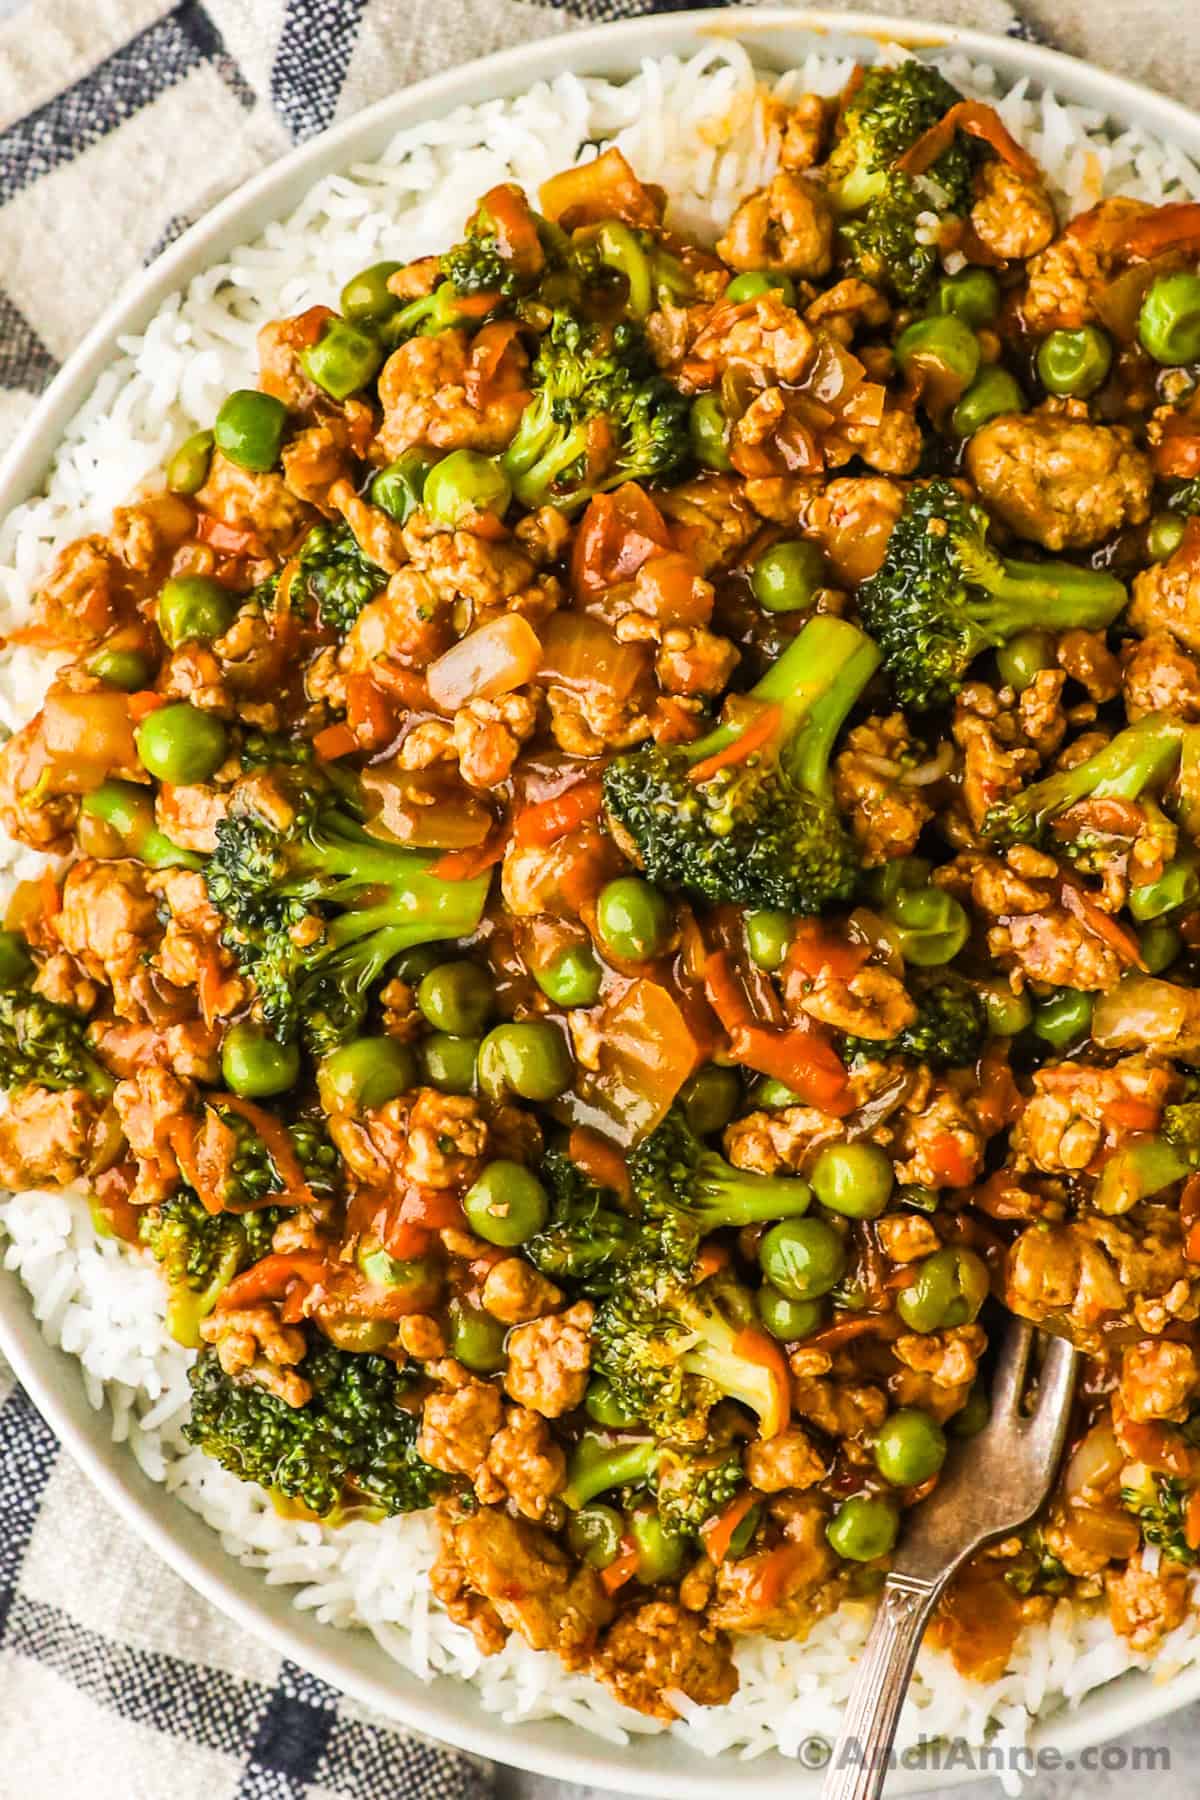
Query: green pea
{"type": "Point", "coordinates": [931, 926]}
{"type": "Point", "coordinates": [1007, 1013]}
{"type": "Point", "coordinates": [507, 1205]}
{"type": "Point", "coordinates": [949, 1288]}
{"type": "Point", "coordinates": [1169, 322]}
{"type": "Point", "coordinates": [601, 1404]}
{"type": "Point", "coordinates": [256, 1065]}
{"type": "Point", "coordinates": [187, 469]}
{"type": "Point", "coordinates": [1024, 657]}
{"type": "Point", "coordinates": [855, 1180]}
{"type": "Point", "coordinates": [1065, 1018]}
{"type": "Point", "coordinates": [476, 1339]}
{"type": "Point", "coordinates": [420, 1277]}
{"type": "Point", "coordinates": [787, 576]}
{"type": "Point", "coordinates": [573, 977]}
{"type": "Point", "coordinates": [529, 1059]}
{"type": "Point", "coordinates": [785, 1318]}
{"type": "Point", "coordinates": [708, 432]}
{"type": "Point", "coordinates": [594, 1535]}
{"type": "Point", "coordinates": [971, 1418]}
{"type": "Point", "coordinates": [16, 964]}
{"type": "Point", "coordinates": [366, 1074]}
{"type": "Point", "coordinates": [465, 483]}
{"type": "Point", "coordinates": [992, 393]}
{"type": "Point", "coordinates": [1164, 534]}
{"type": "Point", "coordinates": [343, 359]}
{"type": "Point", "coordinates": [803, 1258]}
{"type": "Point", "coordinates": [249, 429]}
{"type": "Point", "coordinates": [398, 489]}
{"type": "Point", "coordinates": [896, 877]}
{"type": "Point", "coordinates": [1074, 362]}
{"type": "Point", "coordinates": [633, 919]}
{"type": "Point", "coordinates": [448, 1063]}
{"type": "Point", "coordinates": [973, 295]}
{"type": "Point", "coordinates": [863, 1528]}
{"type": "Point", "coordinates": [909, 1447]}
{"type": "Point", "coordinates": [661, 1553]}
{"type": "Point", "coordinates": [771, 1095]}
{"type": "Point", "coordinates": [366, 297]}
{"type": "Point", "coordinates": [761, 281]}
{"type": "Point", "coordinates": [361, 1337]}
{"type": "Point", "coordinates": [457, 997]}
{"type": "Point", "coordinates": [181, 744]}
{"type": "Point", "coordinates": [194, 606]}
{"type": "Point", "coordinates": [1178, 885]}
{"type": "Point", "coordinates": [1160, 944]}
{"type": "Point", "coordinates": [412, 964]}
{"type": "Point", "coordinates": [128, 670]}
{"type": "Point", "coordinates": [942, 341]}
{"type": "Point", "coordinates": [127, 809]}
{"type": "Point", "coordinates": [769, 938]}
{"type": "Point", "coordinates": [710, 1098]}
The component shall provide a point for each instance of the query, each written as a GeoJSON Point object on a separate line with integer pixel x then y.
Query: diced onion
{"type": "Point", "coordinates": [489, 662]}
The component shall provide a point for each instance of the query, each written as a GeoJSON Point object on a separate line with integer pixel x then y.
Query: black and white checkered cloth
{"type": "Point", "coordinates": [120, 122]}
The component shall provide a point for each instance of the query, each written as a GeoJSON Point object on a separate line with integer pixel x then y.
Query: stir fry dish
{"type": "Point", "coordinates": [623, 878]}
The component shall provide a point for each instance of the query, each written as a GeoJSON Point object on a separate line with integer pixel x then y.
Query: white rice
{"type": "Point", "coordinates": [700, 129]}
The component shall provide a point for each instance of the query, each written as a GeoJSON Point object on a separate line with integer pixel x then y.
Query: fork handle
{"type": "Point", "coordinates": [859, 1761]}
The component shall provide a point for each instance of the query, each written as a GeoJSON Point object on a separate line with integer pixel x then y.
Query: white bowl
{"type": "Point", "coordinates": [351, 1660]}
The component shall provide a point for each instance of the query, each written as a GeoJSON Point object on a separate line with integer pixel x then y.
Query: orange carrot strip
{"type": "Point", "coordinates": [1094, 919]}
{"type": "Point", "coordinates": [233, 540]}
{"type": "Point", "coordinates": [599, 1158]}
{"type": "Point", "coordinates": [551, 819]}
{"type": "Point", "coordinates": [802, 1060]}
{"type": "Point", "coordinates": [1175, 227]}
{"type": "Point", "coordinates": [1132, 1115]}
{"type": "Point", "coordinates": [759, 732]}
{"type": "Point", "coordinates": [948, 1160]}
{"type": "Point", "coordinates": [623, 1568]}
{"type": "Point", "coordinates": [977, 120]}
{"type": "Point", "coordinates": [756, 1347]}
{"type": "Point", "coordinates": [718, 1533]}
{"type": "Point", "coordinates": [270, 1278]}
{"type": "Point", "coordinates": [282, 1152]}
{"type": "Point", "coordinates": [1191, 1523]}
{"type": "Point", "coordinates": [815, 949]}
{"type": "Point", "coordinates": [465, 865]}
{"type": "Point", "coordinates": [710, 1259]}
{"type": "Point", "coordinates": [51, 894]}
{"type": "Point", "coordinates": [335, 741]}
{"type": "Point", "coordinates": [144, 702]}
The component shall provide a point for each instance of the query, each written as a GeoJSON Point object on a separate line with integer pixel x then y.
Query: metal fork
{"type": "Point", "coordinates": [991, 1485]}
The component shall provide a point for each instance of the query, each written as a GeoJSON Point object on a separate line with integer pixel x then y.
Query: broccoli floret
{"type": "Point", "coordinates": [879, 207]}
{"type": "Point", "coordinates": [1036, 1570]}
{"type": "Point", "coordinates": [684, 1189]}
{"type": "Point", "coordinates": [44, 1045]}
{"type": "Point", "coordinates": [693, 1489]}
{"type": "Point", "coordinates": [315, 910]}
{"type": "Point", "coordinates": [336, 577]}
{"type": "Point", "coordinates": [272, 749]}
{"type": "Point", "coordinates": [1185, 498]}
{"type": "Point", "coordinates": [253, 1176]}
{"type": "Point", "coordinates": [430, 313]}
{"type": "Point", "coordinates": [587, 1237]}
{"type": "Point", "coordinates": [200, 1253]}
{"type": "Point", "coordinates": [1160, 1503]}
{"type": "Point", "coordinates": [603, 1460]}
{"type": "Point", "coordinates": [746, 815]}
{"type": "Point", "coordinates": [671, 1354]}
{"type": "Point", "coordinates": [942, 596]}
{"type": "Point", "coordinates": [352, 1445]}
{"type": "Point", "coordinates": [1137, 762]}
{"type": "Point", "coordinates": [601, 414]}
{"type": "Point", "coordinates": [947, 1033]}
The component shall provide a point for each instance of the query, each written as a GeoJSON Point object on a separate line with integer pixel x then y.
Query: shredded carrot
{"type": "Point", "coordinates": [760, 731]}
{"type": "Point", "coordinates": [1132, 1115]}
{"type": "Point", "coordinates": [143, 703]}
{"type": "Point", "coordinates": [232, 540]}
{"type": "Point", "coordinates": [368, 712]}
{"type": "Point", "coordinates": [549, 820]}
{"type": "Point", "coordinates": [711, 1259]}
{"type": "Point", "coordinates": [776, 1570]}
{"type": "Point", "coordinates": [845, 1330]}
{"type": "Point", "coordinates": [623, 1567]}
{"type": "Point", "coordinates": [801, 1059]}
{"type": "Point", "coordinates": [437, 1209]}
{"type": "Point", "coordinates": [465, 865]}
{"type": "Point", "coordinates": [816, 950]}
{"type": "Point", "coordinates": [717, 1535]}
{"type": "Point", "coordinates": [403, 1241]}
{"type": "Point", "coordinates": [977, 120]}
{"type": "Point", "coordinates": [51, 894]}
{"type": "Point", "coordinates": [270, 1278]}
{"type": "Point", "coordinates": [1191, 1523]}
{"type": "Point", "coordinates": [1175, 227]}
{"type": "Point", "coordinates": [335, 741]}
{"type": "Point", "coordinates": [600, 1159]}
{"type": "Point", "coordinates": [1094, 919]}
{"type": "Point", "coordinates": [1157, 1445]}
{"type": "Point", "coordinates": [210, 983]}
{"type": "Point", "coordinates": [1191, 1242]}
{"type": "Point", "coordinates": [282, 1152]}
{"type": "Point", "coordinates": [755, 1346]}
{"type": "Point", "coordinates": [949, 1161]}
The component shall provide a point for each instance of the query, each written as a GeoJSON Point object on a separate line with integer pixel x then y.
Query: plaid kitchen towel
{"type": "Point", "coordinates": [121, 121]}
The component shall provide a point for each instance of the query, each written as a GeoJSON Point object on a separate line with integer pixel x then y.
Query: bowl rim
{"type": "Point", "coordinates": [446, 1708]}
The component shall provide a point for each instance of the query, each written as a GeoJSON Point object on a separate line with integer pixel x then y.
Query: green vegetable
{"type": "Point", "coordinates": [949, 1289]}
{"type": "Point", "coordinates": [769, 937]}
{"type": "Point", "coordinates": [572, 977]}
{"type": "Point", "coordinates": [425, 316]}
{"type": "Point", "coordinates": [530, 1059]}
{"type": "Point", "coordinates": [864, 1528]}
{"type": "Point", "coordinates": [692, 1489]}
{"type": "Point", "coordinates": [803, 1258]}
{"type": "Point", "coordinates": [971, 1418]}
{"type": "Point", "coordinates": [633, 919]}
{"type": "Point", "coordinates": [585, 374]}
{"type": "Point", "coordinates": [249, 429]}
{"type": "Point", "coordinates": [448, 1063]}
{"type": "Point", "coordinates": [193, 606]}
{"type": "Point", "coordinates": [584, 1243]}
{"type": "Point", "coordinates": [602, 1405]}
{"type": "Point", "coordinates": [457, 997]}
{"type": "Point", "coordinates": [343, 360]}
{"type": "Point", "coordinates": [181, 744]}
{"type": "Point", "coordinates": [602, 1460]}
{"type": "Point", "coordinates": [1024, 657]}
{"type": "Point", "coordinates": [1141, 758]}
{"type": "Point", "coordinates": [200, 1253]}
{"type": "Point", "coordinates": [127, 670]}
{"type": "Point", "coordinates": [255, 1065]}
{"type": "Point", "coordinates": [1177, 886]}
{"type": "Point", "coordinates": [1160, 1503]}
{"type": "Point", "coordinates": [785, 1318]}
{"type": "Point", "coordinates": [399, 487]}
{"type": "Point", "coordinates": [1007, 1013]}
{"type": "Point", "coordinates": [973, 295]}
{"type": "Point", "coordinates": [463, 484]}
{"type": "Point", "coordinates": [16, 964]}
{"type": "Point", "coordinates": [420, 1279]}
{"type": "Point", "coordinates": [366, 1074]}
{"type": "Point", "coordinates": [708, 430]}
{"type": "Point", "coordinates": [947, 1032]}
{"type": "Point", "coordinates": [661, 1553]}
{"type": "Point", "coordinates": [853, 1179]}
{"type": "Point", "coordinates": [336, 577]}
{"type": "Point", "coordinates": [126, 807]}
{"type": "Point", "coordinates": [371, 899]}
{"type": "Point", "coordinates": [763, 832]}
{"type": "Point", "coordinates": [710, 1098]}
{"type": "Point", "coordinates": [594, 1535]}
{"type": "Point", "coordinates": [1164, 534]}
{"type": "Point", "coordinates": [476, 1339]}
{"type": "Point", "coordinates": [187, 468]}
{"type": "Point", "coordinates": [507, 1205]}
{"type": "Point", "coordinates": [1075, 362]}
{"type": "Point", "coordinates": [761, 281]}
{"type": "Point", "coordinates": [909, 1447]}
{"type": "Point", "coordinates": [1064, 1018]}
{"type": "Point", "coordinates": [1160, 944]}
{"type": "Point", "coordinates": [786, 577]}
{"type": "Point", "coordinates": [366, 298]}
{"type": "Point", "coordinates": [931, 925]}
{"type": "Point", "coordinates": [352, 1444]}
{"type": "Point", "coordinates": [1169, 321]}
{"type": "Point", "coordinates": [686, 1190]}
{"type": "Point", "coordinates": [943, 596]}
{"type": "Point", "coordinates": [943, 343]}
{"type": "Point", "coordinates": [992, 393]}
